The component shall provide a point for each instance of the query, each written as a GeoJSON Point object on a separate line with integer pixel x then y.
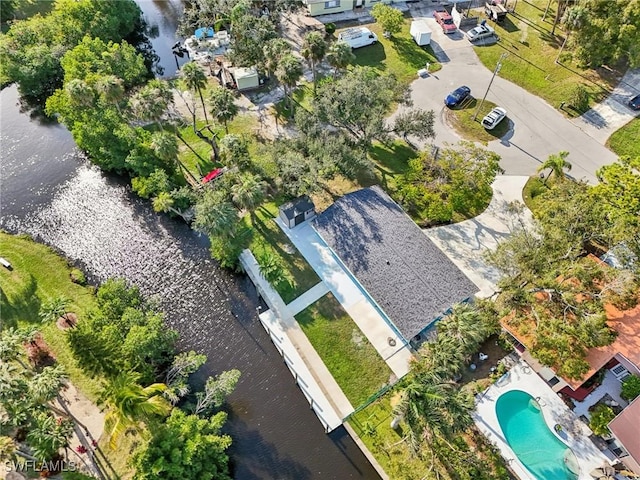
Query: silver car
{"type": "Point", "coordinates": [480, 32]}
{"type": "Point", "coordinates": [494, 117]}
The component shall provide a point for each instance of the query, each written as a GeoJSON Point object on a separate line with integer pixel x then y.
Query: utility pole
{"type": "Point", "coordinates": [495, 72]}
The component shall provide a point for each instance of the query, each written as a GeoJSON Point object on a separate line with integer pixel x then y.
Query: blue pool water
{"type": "Point", "coordinates": [526, 432]}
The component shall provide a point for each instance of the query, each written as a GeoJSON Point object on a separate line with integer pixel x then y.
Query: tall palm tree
{"type": "Point", "coordinates": [249, 192]}
{"type": "Point", "coordinates": [164, 145]}
{"type": "Point", "coordinates": [128, 403]}
{"type": "Point", "coordinates": [274, 50]}
{"type": "Point", "coordinates": [442, 357]}
{"type": "Point", "coordinates": [340, 56]}
{"type": "Point", "coordinates": [223, 106]}
{"type": "Point", "coordinates": [433, 410]}
{"type": "Point", "coordinates": [152, 102]}
{"type": "Point", "coordinates": [288, 72]}
{"type": "Point", "coordinates": [557, 164]}
{"type": "Point", "coordinates": [80, 93]}
{"type": "Point", "coordinates": [314, 49]}
{"type": "Point", "coordinates": [195, 79]}
{"type": "Point", "coordinates": [465, 325]}
{"type": "Point", "coordinates": [111, 89]}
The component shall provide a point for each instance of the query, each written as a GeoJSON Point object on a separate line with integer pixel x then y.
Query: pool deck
{"type": "Point", "coordinates": [575, 434]}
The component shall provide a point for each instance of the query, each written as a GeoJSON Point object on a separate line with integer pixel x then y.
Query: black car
{"type": "Point", "coordinates": [634, 103]}
{"type": "Point", "coordinates": [456, 97]}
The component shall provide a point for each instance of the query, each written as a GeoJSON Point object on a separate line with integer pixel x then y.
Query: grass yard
{"type": "Point", "coordinates": [624, 141]}
{"type": "Point", "coordinates": [346, 352]}
{"type": "Point", "coordinates": [399, 54]}
{"type": "Point", "coordinates": [267, 236]}
{"type": "Point", "coordinates": [532, 54]}
{"type": "Point", "coordinates": [461, 119]}
{"type": "Point", "coordinates": [40, 275]}
{"type": "Point", "coordinates": [531, 190]}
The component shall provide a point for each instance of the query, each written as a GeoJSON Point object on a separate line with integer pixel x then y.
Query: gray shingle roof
{"type": "Point", "coordinates": [410, 278]}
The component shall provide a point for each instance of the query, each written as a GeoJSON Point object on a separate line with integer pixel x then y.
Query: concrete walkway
{"type": "Point", "coordinates": [312, 376]}
{"type": "Point", "coordinates": [612, 113]}
{"type": "Point", "coordinates": [351, 296]}
{"type": "Point", "coordinates": [465, 242]}
{"type": "Point", "coordinates": [307, 298]}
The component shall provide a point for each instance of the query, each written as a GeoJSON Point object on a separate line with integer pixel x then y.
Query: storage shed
{"type": "Point", "coordinates": [420, 32]}
{"type": "Point", "coordinates": [297, 211]}
{"type": "Point", "coordinates": [246, 78]}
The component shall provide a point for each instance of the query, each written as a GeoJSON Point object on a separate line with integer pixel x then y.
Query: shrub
{"type": "Point", "coordinates": [330, 28]}
{"type": "Point", "coordinates": [630, 387]}
{"type": "Point", "coordinates": [600, 418]}
{"type": "Point", "coordinates": [78, 277]}
{"type": "Point", "coordinates": [579, 98]}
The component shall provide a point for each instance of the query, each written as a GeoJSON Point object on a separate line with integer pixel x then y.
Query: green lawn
{"type": "Point", "coordinates": [531, 190]}
{"type": "Point", "coordinates": [267, 236]}
{"type": "Point", "coordinates": [624, 142]}
{"type": "Point", "coordinates": [391, 161]}
{"type": "Point", "coordinates": [39, 275]}
{"type": "Point", "coordinates": [399, 54]}
{"type": "Point", "coordinates": [461, 119]}
{"type": "Point", "coordinates": [532, 53]}
{"type": "Point", "coordinates": [346, 352]}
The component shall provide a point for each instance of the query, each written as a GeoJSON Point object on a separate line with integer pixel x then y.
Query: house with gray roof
{"type": "Point", "coordinates": [410, 279]}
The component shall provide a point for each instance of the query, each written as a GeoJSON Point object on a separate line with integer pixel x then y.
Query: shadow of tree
{"type": "Point", "coordinates": [23, 305]}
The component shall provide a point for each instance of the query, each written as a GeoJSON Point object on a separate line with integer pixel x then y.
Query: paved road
{"type": "Point", "coordinates": [537, 129]}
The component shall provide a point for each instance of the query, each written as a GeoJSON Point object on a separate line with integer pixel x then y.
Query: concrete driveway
{"type": "Point", "coordinates": [537, 129]}
{"type": "Point", "coordinates": [465, 242]}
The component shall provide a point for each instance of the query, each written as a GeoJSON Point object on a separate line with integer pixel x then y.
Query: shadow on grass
{"type": "Point", "coordinates": [25, 304]}
{"type": "Point", "coordinates": [505, 44]}
{"type": "Point", "coordinates": [372, 56]}
{"type": "Point", "coordinates": [412, 54]}
{"type": "Point", "coordinates": [508, 25]}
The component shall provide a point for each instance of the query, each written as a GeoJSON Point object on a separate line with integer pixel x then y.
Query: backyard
{"type": "Point", "coordinates": [351, 359]}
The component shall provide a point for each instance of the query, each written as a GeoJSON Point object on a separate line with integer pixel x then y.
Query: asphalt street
{"type": "Point", "coordinates": [536, 128]}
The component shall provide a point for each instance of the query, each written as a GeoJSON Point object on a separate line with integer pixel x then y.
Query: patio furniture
{"type": "Point", "coordinates": [482, 356]}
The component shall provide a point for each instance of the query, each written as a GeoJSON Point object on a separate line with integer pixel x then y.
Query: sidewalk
{"type": "Point", "coordinates": [359, 306]}
{"type": "Point", "coordinates": [312, 376]}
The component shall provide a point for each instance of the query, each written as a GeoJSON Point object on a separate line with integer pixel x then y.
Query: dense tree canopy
{"type": "Point", "coordinates": [186, 446]}
{"type": "Point", "coordinates": [389, 18]}
{"type": "Point", "coordinates": [31, 50]}
{"type": "Point", "coordinates": [605, 31]}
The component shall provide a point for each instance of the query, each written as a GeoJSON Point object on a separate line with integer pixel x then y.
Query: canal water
{"type": "Point", "coordinates": [50, 191]}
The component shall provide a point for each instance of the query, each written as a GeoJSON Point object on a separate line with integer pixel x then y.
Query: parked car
{"type": "Point", "coordinates": [456, 97]}
{"type": "Point", "coordinates": [358, 37]}
{"type": "Point", "coordinates": [480, 32]}
{"type": "Point", "coordinates": [493, 118]}
{"type": "Point", "coordinates": [445, 21]}
{"type": "Point", "coordinates": [634, 103]}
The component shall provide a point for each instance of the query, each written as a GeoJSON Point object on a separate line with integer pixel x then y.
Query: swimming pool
{"type": "Point", "coordinates": [526, 432]}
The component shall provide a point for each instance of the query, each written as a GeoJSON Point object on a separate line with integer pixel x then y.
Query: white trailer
{"type": "Point", "coordinates": [420, 32]}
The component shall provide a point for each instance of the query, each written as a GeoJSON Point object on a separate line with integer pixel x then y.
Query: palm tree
{"type": "Point", "coordinates": [249, 192]}
{"type": "Point", "coordinates": [80, 94]}
{"type": "Point", "coordinates": [152, 101]}
{"type": "Point", "coordinates": [288, 72]}
{"type": "Point", "coordinates": [164, 145]}
{"type": "Point", "coordinates": [464, 324]}
{"type": "Point", "coordinates": [340, 57]}
{"type": "Point", "coordinates": [54, 309]}
{"type": "Point", "coordinates": [433, 410]}
{"type": "Point", "coordinates": [195, 79]}
{"type": "Point", "coordinates": [314, 49]}
{"type": "Point", "coordinates": [223, 106]}
{"type": "Point", "coordinates": [272, 269]}
{"type": "Point", "coordinates": [111, 90]}
{"type": "Point", "coordinates": [217, 218]}
{"type": "Point", "coordinates": [557, 164]}
{"type": "Point", "coordinates": [128, 404]}
{"type": "Point", "coordinates": [273, 51]}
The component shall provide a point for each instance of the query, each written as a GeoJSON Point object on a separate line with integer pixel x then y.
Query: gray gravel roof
{"type": "Point", "coordinates": [410, 278]}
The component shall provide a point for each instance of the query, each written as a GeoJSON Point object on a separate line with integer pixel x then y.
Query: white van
{"type": "Point", "coordinates": [358, 37]}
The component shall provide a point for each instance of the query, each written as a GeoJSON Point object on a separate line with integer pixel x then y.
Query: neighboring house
{"type": "Point", "coordinates": [410, 279]}
{"type": "Point", "coordinates": [297, 211]}
{"type": "Point", "coordinates": [324, 7]}
{"type": "Point", "coordinates": [626, 430]}
{"type": "Point", "coordinates": [622, 356]}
